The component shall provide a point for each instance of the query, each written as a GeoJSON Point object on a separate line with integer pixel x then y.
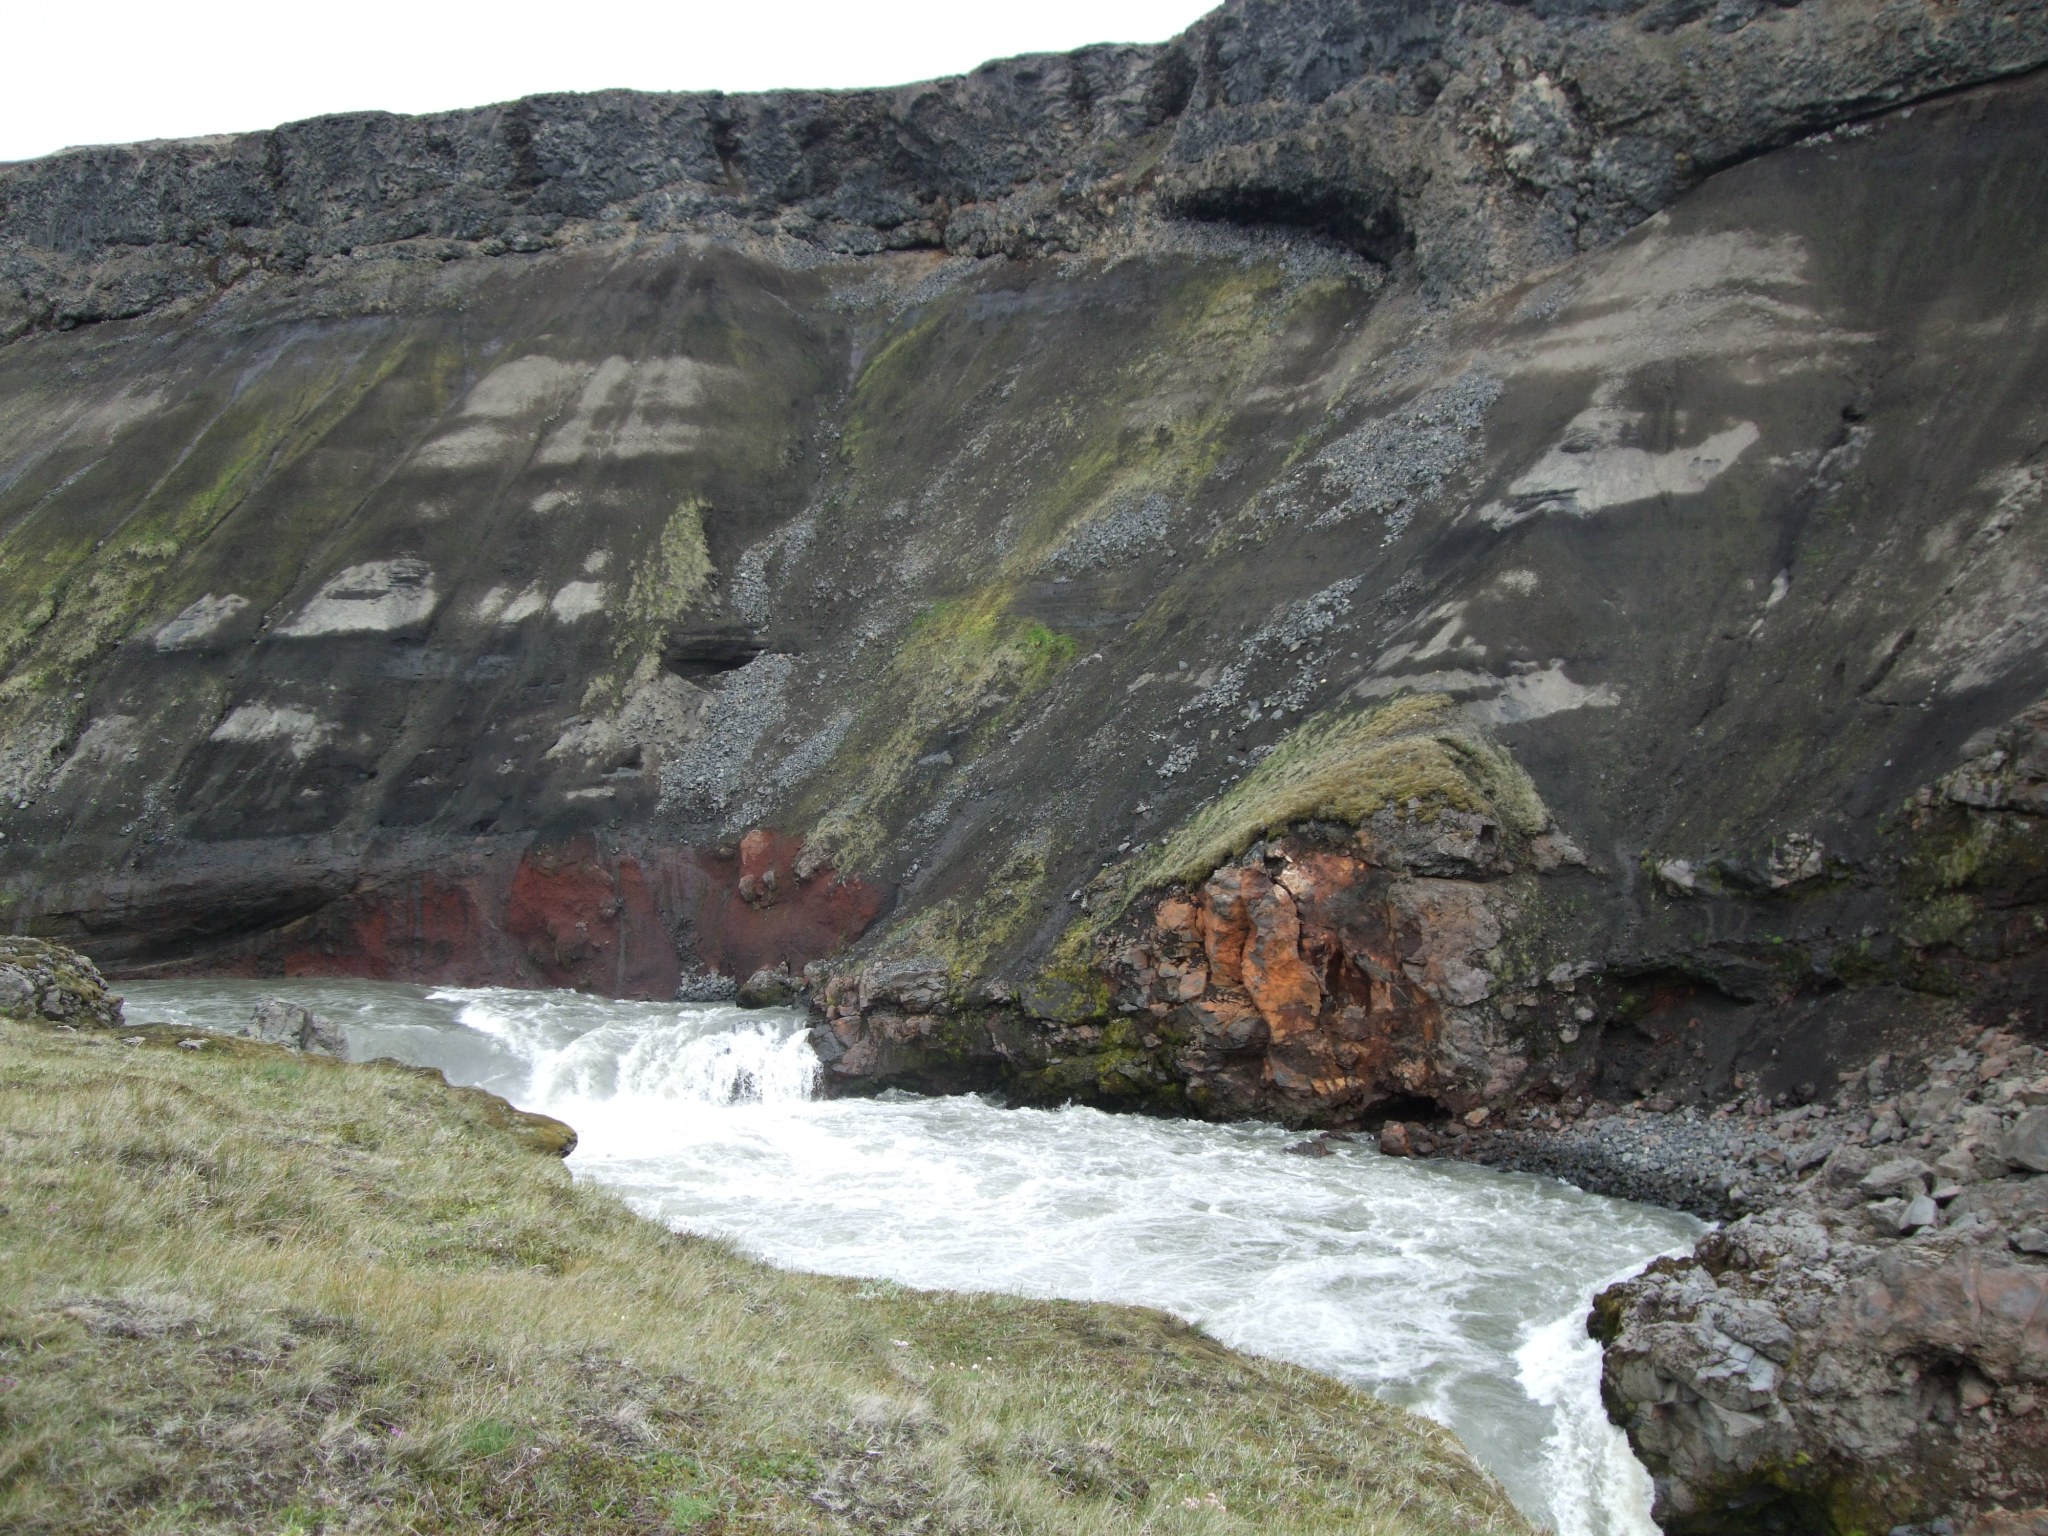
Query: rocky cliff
{"type": "Point", "coordinates": [1373, 561]}
{"type": "Point", "coordinates": [1480, 141]}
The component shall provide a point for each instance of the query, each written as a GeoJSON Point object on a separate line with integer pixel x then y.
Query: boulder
{"type": "Point", "coordinates": [2027, 1143]}
{"type": "Point", "coordinates": [41, 980]}
{"type": "Point", "coordinates": [1845, 1167]}
{"type": "Point", "coordinates": [769, 987]}
{"type": "Point", "coordinates": [1969, 1161]}
{"type": "Point", "coordinates": [277, 1022]}
{"type": "Point", "coordinates": [1906, 1176]}
{"type": "Point", "coordinates": [914, 985]}
{"type": "Point", "coordinates": [1798, 1362]}
{"type": "Point", "coordinates": [1920, 1212]}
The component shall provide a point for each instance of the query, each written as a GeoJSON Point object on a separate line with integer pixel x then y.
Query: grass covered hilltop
{"type": "Point", "coordinates": [246, 1290]}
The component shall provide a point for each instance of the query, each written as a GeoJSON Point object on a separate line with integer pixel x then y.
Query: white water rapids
{"type": "Point", "coordinates": [1457, 1291]}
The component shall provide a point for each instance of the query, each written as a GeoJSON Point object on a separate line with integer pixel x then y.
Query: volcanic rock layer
{"type": "Point", "coordinates": [1371, 563]}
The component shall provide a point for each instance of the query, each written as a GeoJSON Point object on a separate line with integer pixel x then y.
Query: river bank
{"type": "Point", "coordinates": [1864, 1344]}
{"type": "Point", "coordinates": [1863, 1347]}
{"type": "Point", "coordinates": [249, 1288]}
{"type": "Point", "coordinates": [1752, 1152]}
{"type": "Point", "coordinates": [1864, 1336]}
{"type": "Point", "coordinates": [1453, 1290]}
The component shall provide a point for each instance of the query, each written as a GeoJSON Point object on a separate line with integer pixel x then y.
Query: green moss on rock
{"type": "Point", "coordinates": [1344, 765]}
{"type": "Point", "coordinates": [958, 677]}
{"type": "Point", "coordinates": [47, 982]}
{"type": "Point", "coordinates": [962, 936]}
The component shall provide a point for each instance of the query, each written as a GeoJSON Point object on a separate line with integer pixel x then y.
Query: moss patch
{"type": "Point", "coordinates": [963, 936]}
{"type": "Point", "coordinates": [964, 395]}
{"type": "Point", "coordinates": [93, 570]}
{"type": "Point", "coordinates": [41, 979]}
{"type": "Point", "coordinates": [1120, 1071]}
{"type": "Point", "coordinates": [956, 680]}
{"type": "Point", "coordinates": [675, 578]}
{"type": "Point", "coordinates": [1344, 765]}
{"type": "Point", "coordinates": [1070, 988]}
{"type": "Point", "coordinates": [677, 573]}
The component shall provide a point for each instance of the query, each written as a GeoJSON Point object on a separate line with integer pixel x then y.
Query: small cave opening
{"type": "Point", "coordinates": [1358, 214]}
{"type": "Point", "coordinates": [1409, 1108]}
{"type": "Point", "coordinates": [706, 651]}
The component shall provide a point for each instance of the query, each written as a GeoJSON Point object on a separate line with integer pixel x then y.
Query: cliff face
{"type": "Point", "coordinates": [482, 524]}
{"type": "Point", "coordinates": [1370, 561]}
{"type": "Point", "coordinates": [1478, 141]}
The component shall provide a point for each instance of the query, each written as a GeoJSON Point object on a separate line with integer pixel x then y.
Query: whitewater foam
{"type": "Point", "coordinates": [1460, 1292]}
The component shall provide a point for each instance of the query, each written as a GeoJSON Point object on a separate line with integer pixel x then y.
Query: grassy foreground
{"type": "Point", "coordinates": [242, 1290]}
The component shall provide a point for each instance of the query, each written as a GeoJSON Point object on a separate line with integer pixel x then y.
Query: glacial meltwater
{"type": "Point", "coordinates": [1457, 1291]}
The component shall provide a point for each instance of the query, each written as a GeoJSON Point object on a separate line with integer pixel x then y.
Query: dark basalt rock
{"type": "Point", "coordinates": [1866, 1346]}
{"type": "Point", "coordinates": [1487, 139]}
{"type": "Point", "coordinates": [706, 650]}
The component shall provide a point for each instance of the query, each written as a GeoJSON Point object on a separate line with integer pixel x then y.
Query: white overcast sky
{"type": "Point", "coordinates": [116, 70]}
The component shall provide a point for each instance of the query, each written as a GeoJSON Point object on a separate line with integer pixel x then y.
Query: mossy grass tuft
{"type": "Point", "coordinates": [1343, 766]}
{"type": "Point", "coordinates": [245, 1292]}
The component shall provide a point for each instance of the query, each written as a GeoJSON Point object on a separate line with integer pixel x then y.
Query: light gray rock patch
{"type": "Point", "coordinates": [1393, 464]}
{"type": "Point", "coordinates": [378, 595]}
{"type": "Point", "coordinates": [301, 732]}
{"type": "Point", "coordinates": [709, 776]}
{"type": "Point", "coordinates": [1136, 524]}
{"type": "Point", "coordinates": [199, 620]}
{"type": "Point", "coordinates": [1592, 470]}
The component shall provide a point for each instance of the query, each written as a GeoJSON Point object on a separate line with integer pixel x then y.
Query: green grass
{"type": "Point", "coordinates": [246, 1292]}
{"type": "Point", "coordinates": [1345, 766]}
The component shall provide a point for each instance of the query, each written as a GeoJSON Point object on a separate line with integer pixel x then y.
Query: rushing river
{"type": "Point", "coordinates": [1457, 1291]}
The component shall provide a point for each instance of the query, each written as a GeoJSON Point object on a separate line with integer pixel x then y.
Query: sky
{"type": "Point", "coordinates": [119, 70]}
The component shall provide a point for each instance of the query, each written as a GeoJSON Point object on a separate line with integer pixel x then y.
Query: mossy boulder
{"type": "Point", "coordinates": [41, 980]}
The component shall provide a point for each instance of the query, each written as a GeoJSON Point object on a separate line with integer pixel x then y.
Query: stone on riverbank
{"type": "Point", "coordinates": [277, 1022]}
{"type": "Point", "coordinates": [41, 980]}
{"type": "Point", "coordinates": [770, 987]}
{"type": "Point", "coordinates": [1868, 1346]}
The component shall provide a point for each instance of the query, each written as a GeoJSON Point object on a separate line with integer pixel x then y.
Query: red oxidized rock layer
{"type": "Point", "coordinates": [573, 914]}
{"type": "Point", "coordinates": [1322, 983]}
